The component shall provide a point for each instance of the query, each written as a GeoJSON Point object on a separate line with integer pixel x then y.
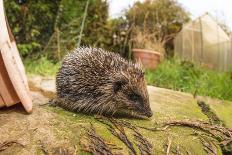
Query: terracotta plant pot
{"type": "Point", "coordinates": [150, 59]}
{"type": "Point", "coordinates": [13, 82]}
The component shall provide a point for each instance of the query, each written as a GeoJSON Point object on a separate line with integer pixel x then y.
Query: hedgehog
{"type": "Point", "coordinates": [95, 81]}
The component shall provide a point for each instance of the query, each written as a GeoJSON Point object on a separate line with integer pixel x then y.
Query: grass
{"type": "Point", "coordinates": [171, 74]}
{"type": "Point", "coordinates": [186, 77]}
{"type": "Point", "coordinates": [41, 66]}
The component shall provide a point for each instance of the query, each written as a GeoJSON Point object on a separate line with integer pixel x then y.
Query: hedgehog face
{"type": "Point", "coordinates": [131, 93]}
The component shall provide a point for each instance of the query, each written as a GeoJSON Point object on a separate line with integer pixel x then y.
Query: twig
{"type": "Point", "coordinates": [117, 129]}
{"type": "Point", "coordinates": [209, 147]}
{"type": "Point", "coordinates": [97, 144]}
{"type": "Point", "coordinates": [188, 152]}
{"type": "Point", "coordinates": [42, 147]}
{"type": "Point", "coordinates": [178, 152]}
{"type": "Point", "coordinates": [6, 144]}
{"type": "Point", "coordinates": [154, 129]}
{"type": "Point", "coordinates": [120, 134]}
{"type": "Point", "coordinates": [169, 146]}
{"type": "Point", "coordinates": [214, 130]}
{"type": "Point", "coordinates": [145, 147]}
{"type": "Point", "coordinates": [222, 134]}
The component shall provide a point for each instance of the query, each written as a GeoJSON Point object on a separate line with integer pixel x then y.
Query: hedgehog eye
{"type": "Point", "coordinates": [118, 86]}
{"type": "Point", "coordinates": [134, 97]}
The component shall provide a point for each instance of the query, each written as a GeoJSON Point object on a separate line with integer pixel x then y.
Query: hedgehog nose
{"type": "Point", "coordinates": [149, 114]}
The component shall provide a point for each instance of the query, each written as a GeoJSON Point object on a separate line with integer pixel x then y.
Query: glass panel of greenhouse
{"type": "Point", "coordinates": [204, 42]}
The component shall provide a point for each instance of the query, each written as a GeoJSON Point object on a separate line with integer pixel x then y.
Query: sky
{"type": "Point", "coordinates": [220, 9]}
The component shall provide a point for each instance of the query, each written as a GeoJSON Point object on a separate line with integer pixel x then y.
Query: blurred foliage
{"type": "Point", "coordinates": [41, 66]}
{"type": "Point", "coordinates": [31, 23]}
{"type": "Point", "coordinates": [95, 31]}
{"type": "Point", "coordinates": [120, 32]}
{"type": "Point", "coordinates": [34, 25]}
{"type": "Point", "coordinates": [158, 20]}
{"type": "Point", "coordinates": [187, 77]}
{"type": "Point", "coordinates": [52, 28]}
{"type": "Point", "coordinates": [68, 24]}
{"type": "Point", "coordinates": [99, 30]}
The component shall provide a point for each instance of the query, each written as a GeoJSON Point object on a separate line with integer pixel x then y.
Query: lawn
{"type": "Point", "coordinates": [172, 74]}
{"type": "Point", "coordinates": [187, 77]}
{"type": "Point", "coordinates": [41, 66]}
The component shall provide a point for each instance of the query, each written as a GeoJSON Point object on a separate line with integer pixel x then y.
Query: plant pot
{"type": "Point", "coordinates": [8, 95]}
{"type": "Point", "coordinates": [13, 82]}
{"type": "Point", "coordinates": [150, 59]}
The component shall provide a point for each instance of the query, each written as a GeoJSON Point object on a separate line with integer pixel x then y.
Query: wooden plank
{"type": "Point", "coordinates": [17, 56]}
{"type": "Point", "coordinates": [15, 76]}
{"type": "Point", "coordinates": [4, 37]}
{"type": "Point", "coordinates": [13, 66]}
{"type": "Point", "coordinates": [2, 104]}
{"type": "Point", "coordinates": [19, 64]}
{"type": "Point", "coordinates": [7, 90]}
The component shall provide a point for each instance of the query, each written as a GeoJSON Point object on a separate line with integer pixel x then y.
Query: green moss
{"type": "Point", "coordinates": [73, 124]}
{"type": "Point", "coordinates": [213, 118]}
{"type": "Point", "coordinates": [166, 105]}
{"type": "Point", "coordinates": [223, 110]}
{"type": "Point", "coordinates": [70, 125]}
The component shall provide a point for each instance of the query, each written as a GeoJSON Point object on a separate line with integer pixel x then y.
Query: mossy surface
{"type": "Point", "coordinates": [179, 106]}
{"type": "Point", "coordinates": [73, 128]}
{"type": "Point", "coordinates": [223, 110]}
{"type": "Point", "coordinates": [49, 129]}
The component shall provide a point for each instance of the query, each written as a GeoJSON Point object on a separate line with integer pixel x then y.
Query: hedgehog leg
{"type": "Point", "coordinates": [54, 102]}
{"type": "Point", "coordinates": [67, 104]}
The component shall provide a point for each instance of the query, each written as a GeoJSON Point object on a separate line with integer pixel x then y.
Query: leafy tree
{"type": "Point", "coordinates": [69, 20]}
{"type": "Point", "coordinates": [120, 36]}
{"type": "Point", "coordinates": [34, 22]}
{"type": "Point", "coordinates": [96, 32]}
{"type": "Point", "coordinates": [31, 22]}
{"type": "Point", "coordinates": [159, 20]}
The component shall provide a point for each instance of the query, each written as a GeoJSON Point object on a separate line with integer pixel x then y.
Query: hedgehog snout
{"type": "Point", "coordinates": [144, 109]}
{"type": "Point", "coordinates": [149, 113]}
{"type": "Point", "coordinates": [147, 110]}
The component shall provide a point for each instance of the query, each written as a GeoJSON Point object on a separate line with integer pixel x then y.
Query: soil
{"type": "Point", "coordinates": [51, 130]}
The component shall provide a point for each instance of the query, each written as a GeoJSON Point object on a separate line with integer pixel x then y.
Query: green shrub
{"type": "Point", "coordinates": [31, 23]}
{"type": "Point", "coordinates": [41, 66]}
{"type": "Point", "coordinates": [187, 77]}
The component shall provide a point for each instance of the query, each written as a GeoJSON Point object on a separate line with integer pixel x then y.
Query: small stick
{"type": "Point", "coordinates": [169, 146]}
{"type": "Point", "coordinates": [6, 144]}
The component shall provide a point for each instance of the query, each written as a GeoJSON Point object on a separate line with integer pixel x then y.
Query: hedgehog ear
{"type": "Point", "coordinates": [141, 74]}
{"type": "Point", "coordinates": [118, 85]}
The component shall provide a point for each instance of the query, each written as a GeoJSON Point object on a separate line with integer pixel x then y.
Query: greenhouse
{"type": "Point", "coordinates": [204, 42]}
